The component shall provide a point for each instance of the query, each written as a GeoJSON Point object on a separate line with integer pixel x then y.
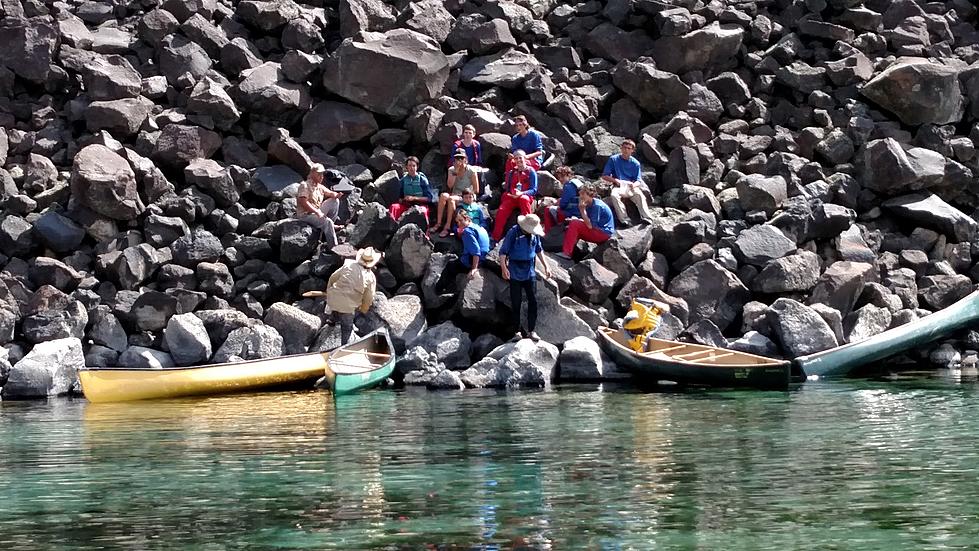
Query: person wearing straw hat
{"type": "Point", "coordinates": [462, 178]}
{"type": "Point", "coordinates": [351, 288]}
{"type": "Point", "coordinates": [318, 205]}
{"type": "Point", "coordinates": [519, 252]}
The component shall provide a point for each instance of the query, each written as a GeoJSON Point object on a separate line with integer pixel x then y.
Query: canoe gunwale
{"type": "Point", "coordinates": [608, 332]}
{"type": "Point", "coordinates": [206, 366]}
{"type": "Point", "coordinates": [373, 374]}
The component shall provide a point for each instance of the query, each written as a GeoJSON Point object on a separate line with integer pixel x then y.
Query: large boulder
{"type": "Point", "coordinates": [592, 281]}
{"type": "Point", "coordinates": [106, 330]}
{"type": "Point", "coordinates": [105, 183]}
{"type": "Point", "coordinates": [760, 192]}
{"type": "Point", "coordinates": [658, 92]}
{"type": "Point", "coordinates": [794, 273]}
{"type": "Point", "coordinates": [187, 340]}
{"type": "Point", "coordinates": [179, 56]}
{"type": "Point", "coordinates": [865, 322]}
{"type": "Point", "coordinates": [210, 99]}
{"type": "Point", "coordinates": [267, 15]}
{"type": "Point", "coordinates": [841, 284]}
{"type": "Point", "coordinates": [266, 93]}
{"type": "Point", "coordinates": [402, 56]}
{"type": "Point", "coordinates": [556, 323]}
{"type": "Point", "coordinates": [941, 291]}
{"type": "Point", "coordinates": [142, 357]}
{"type": "Point", "coordinates": [930, 211]}
{"type": "Point", "coordinates": [373, 228]}
{"type": "Point", "coordinates": [918, 91]}
{"type": "Point", "coordinates": [106, 77]}
{"type": "Point", "coordinates": [449, 344]}
{"type": "Point", "coordinates": [253, 342]}
{"type": "Point", "coordinates": [402, 315]}
{"type": "Point", "coordinates": [198, 246]}
{"type": "Point", "coordinates": [49, 369]}
{"type": "Point", "coordinates": [800, 329]}
{"type": "Point", "coordinates": [408, 254]}
{"type": "Point", "coordinates": [890, 168]}
{"type": "Point", "coordinates": [58, 233]}
{"type": "Point", "coordinates": [27, 47]}
{"type": "Point", "coordinates": [581, 360]}
{"type": "Point", "coordinates": [507, 69]}
{"type": "Point", "coordinates": [221, 323]}
{"type": "Point", "coordinates": [511, 365]}
{"type": "Point", "coordinates": [179, 144]}
{"type": "Point", "coordinates": [52, 315]}
{"type": "Point", "coordinates": [709, 49]}
{"type": "Point", "coordinates": [213, 179]}
{"type": "Point", "coordinates": [761, 244]}
{"type": "Point", "coordinates": [122, 117]}
{"type": "Point", "coordinates": [333, 122]}
{"type": "Point", "coordinates": [152, 310]}
{"type": "Point", "coordinates": [712, 293]}
{"type": "Point", "coordinates": [298, 328]}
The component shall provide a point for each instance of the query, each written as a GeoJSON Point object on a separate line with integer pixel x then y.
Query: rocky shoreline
{"type": "Point", "coordinates": [812, 166]}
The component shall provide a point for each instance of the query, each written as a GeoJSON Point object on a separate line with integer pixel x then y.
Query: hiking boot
{"type": "Point", "coordinates": [534, 336]}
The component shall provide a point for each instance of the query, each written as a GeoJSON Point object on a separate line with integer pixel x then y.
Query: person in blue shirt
{"type": "Point", "coordinates": [475, 245]}
{"type": "Point", "coordinates": [519, 253]}
{"type": "Point", "coordinates": [415, 191]}
{"type": "Point", "coordinates": [567, 206]}
{"type": "Point", "coordinates": [596, 224]}
{"type": "Point", "coordinates": [623, 170]}
{"type": "Point", "coordinates": [527, 140]}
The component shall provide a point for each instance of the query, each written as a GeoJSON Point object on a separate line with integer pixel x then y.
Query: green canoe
{"type": "Point", "coordinates": [361, 364]}
{"type": "Point", "coordinates": [837, 362]}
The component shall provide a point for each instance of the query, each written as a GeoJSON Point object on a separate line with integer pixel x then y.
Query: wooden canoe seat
{"type": "Point", "coordinates": [692, 354]}
{"type": "Point", "coordinates": [665, 350]}
{"type": "Point", "coordinates": [712, 358]}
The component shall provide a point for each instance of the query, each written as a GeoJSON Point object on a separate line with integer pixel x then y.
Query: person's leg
{"type": "Point", "coordinates": [550, 216]}
{"type": "Point", "coordinates": [639, 198]}
{"type": "Point", "coordinates": [515, 300]}
{"type": "Point", "coordinates": [346, 327]}
{"type": "Point", "coordinates": [443, 199]}
{"type": "Point", "coordinates": [331, 208]}
{"type": "Point", "coordinates": [397, 209]}
{"type": "Point", "coordinates": [329, 236]}
{"type": "Point", "coordinates": [424, 209]}
{"type": "Point", "coordinates": [615, 199]}
{"type": "Point", "coordinates": [530, 288]}
{"type": "Point", "coordinates": [525, 203]}
{"type": "Point", "coordinates": [451, 205]}
{"type": "Point", "coordinates": [593, 235]}
{"type": "Point", "coordinates": [506, 207]}
{"type": "Point", "coordinates": [571, 236]}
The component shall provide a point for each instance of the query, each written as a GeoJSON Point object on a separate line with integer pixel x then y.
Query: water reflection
{"type": "Point", "coordinates": [853, 464]}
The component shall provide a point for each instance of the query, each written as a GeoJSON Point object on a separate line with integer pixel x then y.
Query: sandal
{"type": "Point", "coordinates": [444, 233]}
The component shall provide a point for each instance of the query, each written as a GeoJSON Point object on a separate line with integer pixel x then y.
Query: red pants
{"type": "Point", "coordinates": [531, 162]}
{"type": "Point", "coordinates": [400, 207]}
{"type": "Point", "coordinates": [578, 230]}
{"type": "Point", "coordinates": [553, 215]}
{"type": "Point", "coordinates": [507, 204]}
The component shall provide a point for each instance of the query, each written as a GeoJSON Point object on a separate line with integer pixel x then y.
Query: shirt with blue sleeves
{"type": "Point", "coordinates": [530, 143]}
{"type": "Point", "coordinates": [569, 198]}
{"type": "Point", "coordinates": [475, 242]}
{"type": "Point", "coordinates": [521, 250]}
{"type": "Point", "coordinates": [600, 216]}
{"type": "Point", "coordinates": [623, 169]}
{"type": "Point", "coordinates": [417, 186]}
{"type": "Point", "coordinates": [525, 179]}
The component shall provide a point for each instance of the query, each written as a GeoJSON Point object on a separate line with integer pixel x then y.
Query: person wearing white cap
{"type": "Point", "coordinates": [351, 288]}
{"type": "Point", "coordinates": [519, 252]}
{"type": "Point", "coordinates": [318, 205]}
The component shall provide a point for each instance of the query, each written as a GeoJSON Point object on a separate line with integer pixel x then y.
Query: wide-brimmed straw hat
{"type": "Point", "coordinates": [368, 257]}
{"type": "Point", "coordinates": [530, 223]}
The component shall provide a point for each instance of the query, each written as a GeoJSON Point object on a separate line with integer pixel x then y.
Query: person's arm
{"type": "Point", "coordinates": [504, 253]}
{"type": "Point", "coordinates": [333, 278]}
{"type": "Point", "coordinates": [543, 262]}
{"type": "Point", "coordinates": [504, 267]}
{"type": "Point", "coordinates": [478, 153]}
{"type": "Point", "coordinates": [586, 215]}
{"type": "Point", "coordinates": [368, 297]}
{"type": "Point", "coordinates": [450, 181]}
{"type": "Point", "coordinates": [606, 220]}
{"type": "Point", "coordinates": [303, 201]}
{"type": "Point", "coordinates": [608, 173]}
{"type": "Point", "coordinates": [475, 177]}
{"type": "Point", "coordinates": [531, 184]}
{"type": "Point", "coordinates": [538, 145]}
{"type": "Point", "coordinates": [427, 189]}
{"type": "Point", "coordinates": [470, 247]}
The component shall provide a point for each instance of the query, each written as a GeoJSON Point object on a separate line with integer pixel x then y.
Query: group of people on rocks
{"type": "Point", "coordinates": [459, 211]}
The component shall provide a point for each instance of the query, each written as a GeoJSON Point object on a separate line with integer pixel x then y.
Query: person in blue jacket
{"type": "Point", "coordinates": [567, 206]}
{"type": "Point", "coordinates": [475, 245]}
{"type": "Point", "coordinates": [519, 253]}
{"type": "Point", "coordinates": [596, 224]}
{"type": "Point", "coordinates": [527, 140]}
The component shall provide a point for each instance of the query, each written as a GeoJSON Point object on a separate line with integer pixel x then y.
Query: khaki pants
{"type": "Point", "coordinates": [617, 200]}
{"type": "Point", "coordinates": [330, 209]}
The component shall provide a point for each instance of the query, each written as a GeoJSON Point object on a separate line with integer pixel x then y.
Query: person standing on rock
{"type": "Point", "coordinates": [625, 172]}
{"type": "Point", "coordinates": [519, 190]}
{"type": "Point", "coordinates": [472, 147]}
{"type": "Point", "coordinates": [351, 288]}
{"type": "Point", "coordinates": [596, 224]}
{"type": "Point", "coordinates": [475, 246]}
{"type": "Point", "coordinates": [319, 206]}
{"type": "Point", "coordinates": [415, 191]}
{"type": "Point", "coordinates": [518, 261]}
{"type": "Point", "coordinates": [527, 140]}
{"type": "Point", "coordinates": [462, 178]}
{"type": "Point", "coordinates": [567, 206]}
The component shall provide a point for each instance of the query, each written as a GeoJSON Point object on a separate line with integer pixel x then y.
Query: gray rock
{"type": "Point", "coordinates": [556, 323]}
{"type": "Point", "coordinates": [705, 332]}
{"type": "Point", "coordinates": [581, 360]}
{"type": "Point", "coordinates": [100, 356]}
{"type": "Point", "coordinates": [712, 47]}
{"type": "Point", "coordinates": [420, 364]}
{"type": "Point", "coordinates": [265, 92]}
{"type": "Point", "coordinates": [53, 272]}
{"type": "Point", "coordinates": [152, 310]}
{"type": "Point", "coordinates": [52, 315]}
{"type": "Point", "coordinates": [267, 15]}
{"type": "Point", "coordinates": [446, 380]}
{"type": "Point", "coordinates": [614, 44]}
{"type": "Point", "coordinates": [761, 244]}
{"type": "Point", "coordinates": [221, 323]}
{"type": "Point", "coordinates": [865, 322]}
{"type": "Point", "coordinates": [49, 369]}
{"type": "Point", "coordinates": [210, 99]}
{"type": "Point", "coordinates": [799, 328]}
{"type": "Point", "coordinates": [250, 343]}
{"type": "Point", "coordinates": [239, 55]}
{"type": "Point", "coordinates": [402, 315]}
{"type": "Point", "coordinates": [592, 281]}
{"type": "Point", "coordinates": [298, 241]}
{"type": "Point", "coordinates": [373, 228]}
{"type": "Point", "coordinates": [931, 211]}
{"type": "Point", "coordinates": [214, 179]}
{"type": "Point", "coordinates": [413, 60]}
{"type": "Point", "coordinates": [754, 342]}
{"type": "Point", "coordinates": [478, 299]}
{"type": "Point", "coordinates": [270, 181]}
{"type": "Point", "coordinates": [512, 365]}
{"type": "Point", "coordinates": [507, 68]}
{"type": "Point", "coordinates": [658, 92]}
{"type": "Point", "coordinates": [794, 273]}
{"type": "Point", "coordinates": [298, 328]}
{"type": "Point", "coordinates": [105, 330]}
{"type": "Point", "coordinates": [17, 236]}
{"type": "Point", "coordinates": [179, 55]}
{"type": "Point", "coordinates": [941, 291]}
{"type": "Point", "coordinates": [141, 357]}
{"type": "Point", "coordinates": [449, 345]}
{"type": "Point", "coordinates": [758, 192]}
{"type": "Point", "coordinates": [27, 47]}
{"type": "Point", "coordinates": [408, 253]}
{"type": "Point", "coordinates": [179, 144]}
{"type": "Point", "coordinates": [918, 91]}
{"type": "Point", "coordinates": [198, 246]}
{"type": "Point", "coordinates": [331, 123]}
{"type": "Point", "coordinates": [105, 183]}
{"type": "Point", "coordinates": [889, 168]}
{"type": "Point", "coordinates": [187, 340]}
{"type": "Point", "coordinates": [58, 233]}
{"type": "Point", "coordinates": [711, 291]}
{"type": "Point", "coordinates": [841, 284]}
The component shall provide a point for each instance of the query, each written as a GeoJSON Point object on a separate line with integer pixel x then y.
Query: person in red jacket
{"type": "Point", "coordinates": [519, 190]}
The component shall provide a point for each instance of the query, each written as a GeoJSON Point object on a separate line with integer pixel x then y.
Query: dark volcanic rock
{"type": "Point", "coordinates": [712, 47]}
{"type": "Point", "coordinates": [658, 92]}
{"type": "Point", "coordinates": [931, 211]}
{"type": "Point", "coordinates": [105, 183]}
{"type": "Point", "coordinates": [841, 284]}
{"type": "Point", "coordinates": [918, 91]}
{"type": "Point", "coordinates": [712, 292]}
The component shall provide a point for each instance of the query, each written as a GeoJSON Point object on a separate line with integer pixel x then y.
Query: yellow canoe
{"type": "Point", "coordinates": [120, 384]}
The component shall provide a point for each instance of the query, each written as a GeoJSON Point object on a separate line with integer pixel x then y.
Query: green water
{"type": "Point", "coordinates": [851, 465]}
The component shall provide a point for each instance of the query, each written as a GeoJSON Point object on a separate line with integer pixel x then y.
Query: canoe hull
{"type": "Point", "coordinates": [122, 385]}
{"type": "Point", "coordinates": [772, 374]}
{"type": "Point", "coordinates": [837, 362]}
{"type": "Point", "coordinates": [341, 382]}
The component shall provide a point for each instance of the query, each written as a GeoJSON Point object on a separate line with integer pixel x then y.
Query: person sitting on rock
{"type": "Point", "coordinates": [623, 170]}
{"type": "Point", "coordinates": [527, 140]}
{"type": "Point", "coordinates": [519, 190]}
{"type": "Point", "coordinates": [415, 191]}
{"type": "Point", "coordinates": [519, 253]}
{"type": "Point", "coordinates": [319, 206]}
{"type": "Point", "coordinates": [476, 211]}
{"type": "Point", "coordinates": [471, 146]}
{"type": "Point", "coordinates": [475, 245]}
{"type": "Point", "coordinates": [567, 206]}
{"type": "Point", "coordinates": [350, 288]}
{"type": "Point", "coordinates": [596, 224]}
{"type": "Point", "coordinates": [462, 178]}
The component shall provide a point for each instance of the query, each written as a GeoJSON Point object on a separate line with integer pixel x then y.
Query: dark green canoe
{"type": "Point", "coordinates": [839, 361]}
{"type": "Point", "coordinates": [361, 364]}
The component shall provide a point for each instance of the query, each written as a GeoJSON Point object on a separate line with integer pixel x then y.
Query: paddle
{"type": "Point", "coordinates": [311, 294]}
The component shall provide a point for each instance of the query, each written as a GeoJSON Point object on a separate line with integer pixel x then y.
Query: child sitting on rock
{"type": "Point", "coordinates": [415, 191]}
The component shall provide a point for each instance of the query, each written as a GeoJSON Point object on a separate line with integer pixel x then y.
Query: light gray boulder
{"type": "Point", "coordinates": [449, 344]}
{"type": "Point", "coordinates": [799, 328]}
{"type": "Point", "coordinates": [298, 328]}
{"type": "Point", "coordinates": [250, 343]}
{"type": "Point", "coordinates": [141, 357]}
{"type": "Point", "coordinates": [49, 369]}
{"type": "Point", "coordinates": [187, 340]}
{"type": "Point", "coordinates": [865, 322]}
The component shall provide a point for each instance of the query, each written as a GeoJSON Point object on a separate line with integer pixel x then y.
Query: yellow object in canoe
{"type": "Point", "coordinates": [120, 384]}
